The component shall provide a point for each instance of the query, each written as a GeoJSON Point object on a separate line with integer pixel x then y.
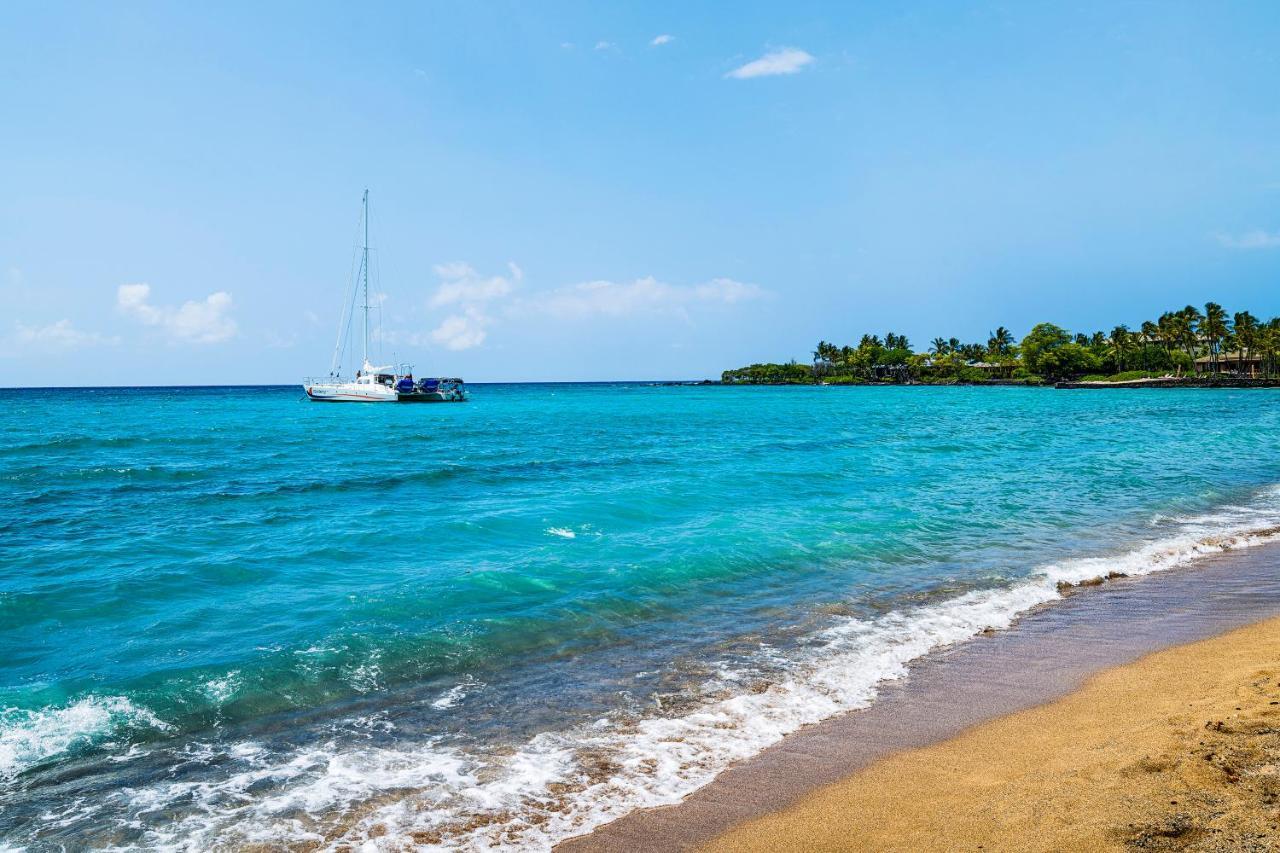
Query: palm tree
{"type": "Point", "coordinates": [1167, 331]}
{"type": "Point", "coordinates": [1213, 329]}
{"type": "Point", "coordinates": [1150, 334]}
{"type": "Point", "coordinates": [1181, 330]}
{"type": "Point", "coordinates": [1268, 345]}
{"type": "Point", "coordinates": [824, 355]}
{"type": "Point", "coordinates": [939, 347]}
{"type": "Point", "coordinates": [1189, 329]}
{"type": "Point", "coordinates": [1246, 326]}
{"type": "Point", "coordinates": [892, 341]}
{"type": "Point", "coordinates": [1119, 343]}
{"type": "Point", "coordinates": [1000, 341]}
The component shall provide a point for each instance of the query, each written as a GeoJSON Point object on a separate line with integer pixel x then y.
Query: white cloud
{"type": "Point", "coordinates": [462, 285]}
{"type": "Point", "coordinates": [470, 294]}
{"type": "Point", "coordinates": [1255, 239]}
{"type": "Point", "coordinates": [784, 60]}
{"type": "Point", "coordinates": [475, 303]}
{"type": "Point", "coordinates": [644, 295]}
{"type": "Point", "coordinates": [461, 331]}
{"type": "Point", "coordinates": [665, 38]}
{"type": "Point", "coordinates": [61, 335]}
{"type": "Point", "coordinates": [604, 45]}
{"type": "Point", "coordinates": [202, 322]}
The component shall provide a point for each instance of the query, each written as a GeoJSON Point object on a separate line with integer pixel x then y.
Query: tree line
{"type": "Point", "coordinates": [1238, 343]}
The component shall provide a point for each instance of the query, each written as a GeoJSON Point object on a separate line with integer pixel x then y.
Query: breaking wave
{"type": "Point", "coordinates": [29, 738]}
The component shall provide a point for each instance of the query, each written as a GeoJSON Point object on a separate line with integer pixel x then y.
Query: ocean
{"type": "Point", "coordinates": [229, 616]}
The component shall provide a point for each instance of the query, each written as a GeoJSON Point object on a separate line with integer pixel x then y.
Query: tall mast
{"type": "Point", "coordinates": [364, 265]}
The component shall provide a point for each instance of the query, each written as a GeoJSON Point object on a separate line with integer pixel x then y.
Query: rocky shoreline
{"type": "Point", "coordinates": [1177, 382]}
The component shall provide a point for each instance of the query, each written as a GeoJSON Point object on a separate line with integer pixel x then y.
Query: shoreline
{"type": "Point", "coordinates": [1174, 750]}
{"type": "Point", "coordinates": [1048, 654]}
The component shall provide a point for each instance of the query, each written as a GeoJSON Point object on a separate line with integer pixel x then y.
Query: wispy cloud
{"type": "Point", "coordinates": [604, 45]}
{"type": "Point", "coordinates": [1255, 239]}
{"type": "Point", "coordinates": [462, 331]}
{"type": "Point", "coordinates": [62, 336]}
{"type": "Point", "coordinates": [642, 296]}
{"type": "Point", "coordinates": [665, 38]}
{"type": "Point", "coordinates": [474, 304]}
{"type": "Point", "coordinates": [461, 284]}
{"type": "Point", "coordinates": [470, 294]}
{"type": "Point", "coordinates": [784, 60]}
{"type": "Point", "coordinates": [204, 322]}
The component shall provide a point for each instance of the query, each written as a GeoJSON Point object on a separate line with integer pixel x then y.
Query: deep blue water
{"type": "Point", "coordinates": [227, 614]}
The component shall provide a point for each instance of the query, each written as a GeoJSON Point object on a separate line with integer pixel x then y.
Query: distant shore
{"type": "Point", "coordinates": [1176, 749]}
{"type": "Point", "coordinates": [1178, 382]}
{"type": "Point", "coordinates": [1168, 382]}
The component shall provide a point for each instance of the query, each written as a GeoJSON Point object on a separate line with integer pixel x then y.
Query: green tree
{"type": "Point", "coordinates": [1212, 328]}
{"type": "Point", "coordinates": [1119, 345]}
{"type": "Point", "coordinates": [1000, 342]}
{"type": "Point", "coordinates": [1246, 329]}
{"type": "Point", "coordinates": [1188, 326]}
{"type": "Point", "coordinates": [1039, 343]}
{"type": "Point", "coordinates": [1150, 336]}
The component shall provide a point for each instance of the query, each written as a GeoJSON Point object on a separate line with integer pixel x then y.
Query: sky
{"type": "Point", "coordinates": [588, 191]}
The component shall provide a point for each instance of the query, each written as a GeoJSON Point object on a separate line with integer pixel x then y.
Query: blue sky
{"type": "Point", "coordinates": [589, 191]}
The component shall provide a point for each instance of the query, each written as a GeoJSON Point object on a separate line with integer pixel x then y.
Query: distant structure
{"type": "Point", "coordinates": [1230, 364]}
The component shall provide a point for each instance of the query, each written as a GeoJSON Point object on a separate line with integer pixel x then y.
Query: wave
{"type": "Point", "coordinates": [560, 784]}
{"type": "Point", "coordinates": [32, 737]}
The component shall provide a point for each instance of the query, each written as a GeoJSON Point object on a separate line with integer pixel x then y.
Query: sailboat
{"type": "Point", "coordinates": [373, 383]}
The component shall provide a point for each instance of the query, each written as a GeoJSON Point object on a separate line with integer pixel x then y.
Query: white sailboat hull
{"type": "Point", "coordinates": [350, 392]}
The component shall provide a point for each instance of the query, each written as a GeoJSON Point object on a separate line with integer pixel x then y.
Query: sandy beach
{"type": "Point", "coordinates": [1178, 750]}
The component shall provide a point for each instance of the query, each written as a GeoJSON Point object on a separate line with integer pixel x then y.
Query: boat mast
{"type": "Point", "coordinates": [364, 266]}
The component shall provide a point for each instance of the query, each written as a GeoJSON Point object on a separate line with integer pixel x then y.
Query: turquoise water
{"type": "Point", "coordinates": [230, 615]}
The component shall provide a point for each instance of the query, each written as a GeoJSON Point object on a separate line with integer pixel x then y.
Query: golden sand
{"type": "Point", "coordinates": [1177, 751]}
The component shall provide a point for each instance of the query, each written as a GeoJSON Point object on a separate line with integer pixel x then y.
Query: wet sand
{"type": "Point", "coordinates": [1048, 655]}
{"type": "Point", "coordinates": [1179, 751]}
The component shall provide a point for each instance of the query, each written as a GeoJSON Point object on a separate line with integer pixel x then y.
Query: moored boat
{"type": "Point", "coordinates": [372, 384]}
{"type": "Point", "coordinates": [430, 390]}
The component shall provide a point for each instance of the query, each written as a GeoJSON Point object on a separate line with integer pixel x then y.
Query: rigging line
{"type": "Point", "coordinates": [374, 281]}
{"type": "Point", "coordinates": [377, 261]}
{"type": "Point", "coordinates": [357, 273]}
{"type": "Point", "coordinates": [375, 255]}
{"type": "Point", "coordinates": [381, 297]}
{"type": "Point", "coordinates": [344, 316]}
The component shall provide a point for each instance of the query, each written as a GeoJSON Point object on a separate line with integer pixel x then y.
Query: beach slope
{"type": "Point", "coordinates": [1177, 751]}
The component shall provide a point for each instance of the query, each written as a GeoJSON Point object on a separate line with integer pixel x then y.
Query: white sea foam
{"type": "Point", "coordinates": [30, 737]}
{"type": "Point", "coordinates": [222, 689]}
{"type": "Point", "coordinates": [455, 694]}
{"type": "Point", "coordinates": [560, 784]}
{"type": "Point", "coordinates": [562, 532]}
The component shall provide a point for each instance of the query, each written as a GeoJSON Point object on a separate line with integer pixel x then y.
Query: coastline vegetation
{"type": "Point", "coordinates": [1181, 343]}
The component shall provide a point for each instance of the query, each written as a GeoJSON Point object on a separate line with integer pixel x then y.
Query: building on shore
{"type": "Point", "coordinates": [994, 370]}
{"type": "Point", "coordinates": [1234, 363]}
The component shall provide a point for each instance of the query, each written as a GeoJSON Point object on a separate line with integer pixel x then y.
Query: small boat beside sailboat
{"type": "Point", "coordinates": [375, 384]}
